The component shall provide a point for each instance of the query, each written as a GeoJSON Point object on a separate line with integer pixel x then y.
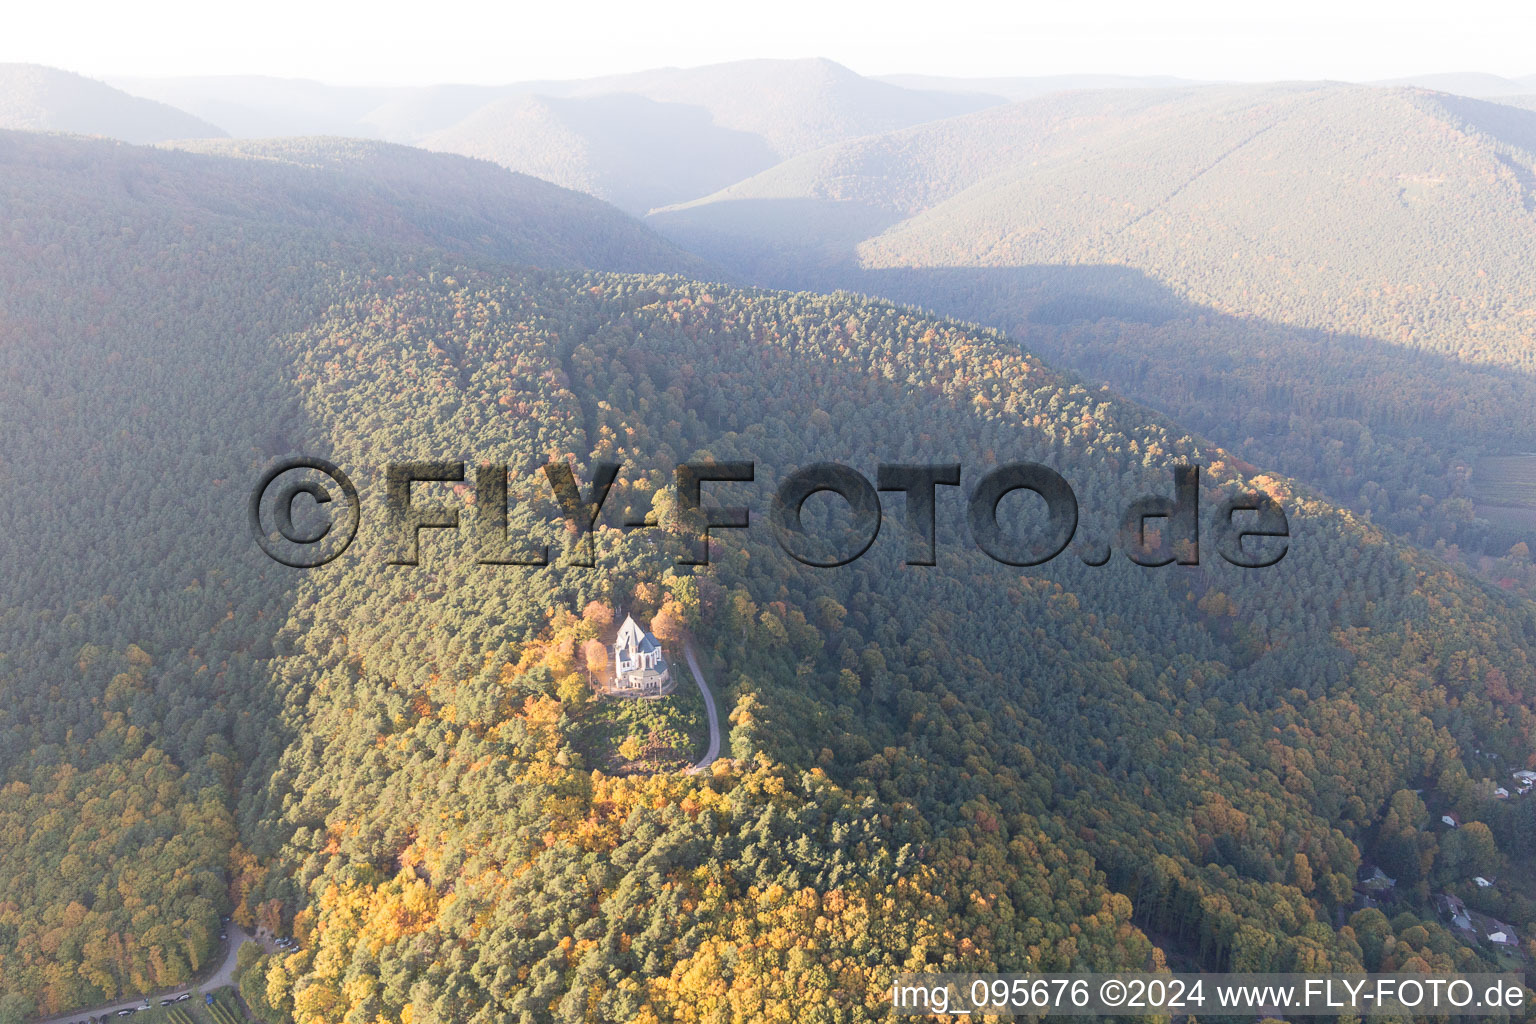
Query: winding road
{"type": "Point", "coordinates": [714, 716]}
{"type": "Point", "coordinates": [221, 976]}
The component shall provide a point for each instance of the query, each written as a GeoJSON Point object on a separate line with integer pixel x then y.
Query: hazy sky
{"type": "Point", "coordinates": [392, 41]}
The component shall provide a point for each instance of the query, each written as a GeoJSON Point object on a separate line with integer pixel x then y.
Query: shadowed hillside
{"type": "Point", "coordinates": [1341, 273]}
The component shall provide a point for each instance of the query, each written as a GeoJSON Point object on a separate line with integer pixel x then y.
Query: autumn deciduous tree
{"type": "Point", "coordinates": [599, 614]}
{"type": "Point", "coordinates": [595, 654]}
{"type": "Point", "coordinates": [668, 624]}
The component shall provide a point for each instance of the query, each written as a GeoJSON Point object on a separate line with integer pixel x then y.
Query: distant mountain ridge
{"type": "Point", "coordinates": [794, 105]}
{"type": "Point", "coordinates": [630, 150]}
{"type": "Point", "coordinates": [259, 106]}
{"type": "Point", "coordinates": [37, 98]}
{"type": "Point", "coordinates": [639, 140]}
{"type": "Point", "coordinates": [669, 135]}
{"type": "Point", "coordinates": [1025, 87]}
{"type": "Point", "coordinates": [1477, 84]}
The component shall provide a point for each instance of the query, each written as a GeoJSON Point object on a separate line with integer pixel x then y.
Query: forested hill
{"type": "Point", "coordinates": [966, 765]}
{"type": "Point", "coordinates": [366, 193]}
{"type": "Point", "coordinates": [1399, 214]}
{"type": "Point", "coordinates": [41, 99]}
{"type": "Point", "coordinates": [962, 766]}
{"type": "Point", "coordinates": [1335, 280]}
{"type": "Point", "coordinates": [384, 193]}
{"type": "Point", "coordinates": [140, 291]}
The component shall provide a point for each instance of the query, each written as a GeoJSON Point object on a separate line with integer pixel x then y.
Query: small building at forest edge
{"type": "Point", "coordinates": [640, 666]}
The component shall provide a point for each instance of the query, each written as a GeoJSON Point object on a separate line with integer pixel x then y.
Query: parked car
{"type": "Point", "coordinates": [183, 997]}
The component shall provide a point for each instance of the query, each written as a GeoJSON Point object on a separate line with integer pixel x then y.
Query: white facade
{"type": "Point", "coordinates": [639, 665]}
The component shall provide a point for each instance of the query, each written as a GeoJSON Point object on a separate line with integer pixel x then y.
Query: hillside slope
{"type": "Point", "coordinates": [39, 99]}
{"type": "Point", "coordinates": [1335, 279]}
{"type": "Point", "coordinates": [965, 765]}
{"type": "Point", "coordinates": [140, 293]}
{"type": "Point", "coordinates": [1353, 197]}
{"type": "Point", "coordinates": [1186, 732]}
{"type": "Point", "coordinates": [377, 190]}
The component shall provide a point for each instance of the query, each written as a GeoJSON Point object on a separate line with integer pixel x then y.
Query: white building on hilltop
{"type": "Point", "coordinates": [639, 665]}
